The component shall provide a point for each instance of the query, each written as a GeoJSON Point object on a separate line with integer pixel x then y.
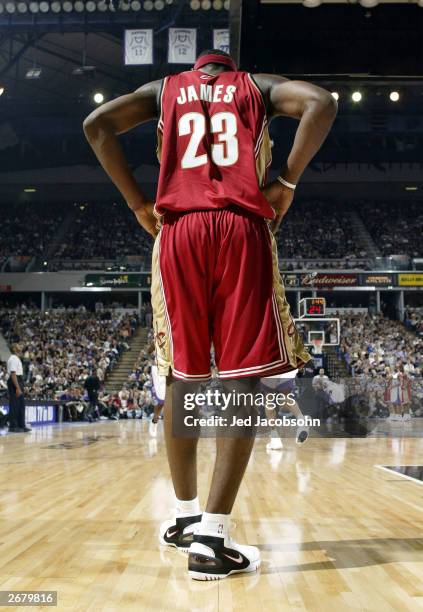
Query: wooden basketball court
{"type": "Point", "coordinates": [80, 507]}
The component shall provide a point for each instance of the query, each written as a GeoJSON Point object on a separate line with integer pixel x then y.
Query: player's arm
{"type": "Point", "coordinates": [102, 128]}
{"type": "Point", "coordinates": [315, 109]}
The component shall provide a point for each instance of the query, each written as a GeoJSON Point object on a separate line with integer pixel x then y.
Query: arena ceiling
{"type": "Point", "coordinates": [333, 41]}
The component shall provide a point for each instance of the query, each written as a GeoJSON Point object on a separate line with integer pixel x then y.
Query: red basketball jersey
{"type": "Point", "coordinates": [213, 143]}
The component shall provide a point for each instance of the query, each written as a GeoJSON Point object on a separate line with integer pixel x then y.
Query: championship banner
{"type": "Point", "coordinates": [182, 46]}
{"type": "Point", "coordinates": [410, 280]}
{"type": "Point", "coordinates": [221, 40]}
{"type": "Point", "coordinates": [138, 47]}
{"type": "Point", "coordinates": [118, 281]}
{"type": "Point", "coordinates": [376, 280]}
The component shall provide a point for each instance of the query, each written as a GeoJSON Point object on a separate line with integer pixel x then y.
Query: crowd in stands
{"type": "Point", "coordinates": [134, 400]}
{"type": "Point", "coordinates": [316, 229]}
{"type": "Point", "coordinates": [108, 231]}
{"type": "Point", "coordinates": [382, 353]}
{"type": "Point", "coordinates": [28, 229]}
{"type": "Point", "coordinates": [395, 227]}
{"type": "Point", "coordinates": [59, 348]}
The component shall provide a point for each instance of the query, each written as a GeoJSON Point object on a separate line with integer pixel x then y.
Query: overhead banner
{"type": "Point", "coordinates": [410, 280]}
{"type": "Point", "coordinates": [138, 47]}
{"type": "Point", "coordinates": [221, 40]}
{"type": "Point", "coordinates": [182, 46]}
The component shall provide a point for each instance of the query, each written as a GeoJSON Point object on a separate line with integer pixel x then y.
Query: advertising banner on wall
{"type": "Point", "coordinates": [376, 280]}
{"type": "Point", "coordinates": [328, 279]}
{"type": "Point", "coordinates": [118, 281]}
{"type": "Point", "coordinates": [410, 280]}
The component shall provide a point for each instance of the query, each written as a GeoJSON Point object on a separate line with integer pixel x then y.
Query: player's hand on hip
{"type": "Point", "coordinates": [146, 218]}
{"type": "Point", "coordinates": [280, 199]}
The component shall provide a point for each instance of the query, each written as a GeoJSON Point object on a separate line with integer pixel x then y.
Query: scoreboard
{"type": "Point", "coordinates": [312, 307]}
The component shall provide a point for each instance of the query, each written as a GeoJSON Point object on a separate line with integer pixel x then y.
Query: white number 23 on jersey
{"type": "Point", "coordinates": [224, 152]}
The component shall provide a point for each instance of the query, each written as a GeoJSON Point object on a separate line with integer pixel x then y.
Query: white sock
{"type": "Point", "coordinates": [190, 507]}
{"type": "Point", "coordinates": [215, 524]}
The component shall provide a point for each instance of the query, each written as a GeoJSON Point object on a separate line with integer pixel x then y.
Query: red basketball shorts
{"type": "Point", "coordinates": [214, 283]}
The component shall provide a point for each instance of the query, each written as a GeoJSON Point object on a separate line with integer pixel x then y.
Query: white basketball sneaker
{"type": "Point", "coordinates": [153, 429]}
{"type": "Point", "coordinates": [275, 444]}
{"type": "Point", "coordinates": [214, 558]}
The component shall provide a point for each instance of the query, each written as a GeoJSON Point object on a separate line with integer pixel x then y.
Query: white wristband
{"type": "Point", "coordinates": [284, 182]}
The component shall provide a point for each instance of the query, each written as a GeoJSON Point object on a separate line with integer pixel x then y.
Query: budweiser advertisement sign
{"type": "Point", "coordinates": [323, 279]}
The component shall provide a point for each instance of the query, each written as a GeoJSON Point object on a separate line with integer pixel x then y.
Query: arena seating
{"type": "Point", "coordinates": [109, 231]}
{"type": "Point", "coordinates": [60, 347]}
{"type": "Point", "coordinates": [27, 229]}
{"type": "Point", "coordinates": [314, 230]}
{"type": "Point", "coordinates": [314, 234]}
{"type": "Point", "coordinates": [396, 228]}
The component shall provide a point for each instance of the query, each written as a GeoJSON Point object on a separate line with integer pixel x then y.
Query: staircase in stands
{"type": "Point", "coordinates": [336, 366]}
{"type": "Point", "coordinates": [362, 235]}
{"type": "Point", "coordinates": [119, 375]}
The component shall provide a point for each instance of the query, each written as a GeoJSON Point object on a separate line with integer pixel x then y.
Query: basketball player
{"type": "Point", "coordinates": [284, 385]}
{"type": "Point", "coordinates": [158, 392]}
{"type": "Point", "coordinates": [215, 274]}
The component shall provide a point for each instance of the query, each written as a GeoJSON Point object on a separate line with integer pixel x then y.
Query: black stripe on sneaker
{"type": "Point", "coordinates": [224, 561]}
{"type": "Point", "coordinates": [175, 533]}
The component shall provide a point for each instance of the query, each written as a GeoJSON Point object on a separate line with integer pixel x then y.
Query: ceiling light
{"type": "Point", "coordinates": [22, 7]}
{"type": "Point", "coordinates": [10, 7]}
{"type": "Point", "coordinates": [67, 6]}
{"type": "Point", "coordinates": [357, 97]}
{"type": "Point", "coordinates": [394, 96]}
{"type": "Point", "coordinates": [148, 5]}
{"type": "Point", "coordinates": [195, 5]}
{"type": "Point", "coordinates": [33, 73]}
{"type": "Point", "coordinates": [33, 7]}
{"type": "Point", "coordinates": [159, 5]}
{"type": "Point", "coordinates": [44, 7]}
{"type": "Point", "coordinates": [136, 5]}
{"type": "Point", "coordinates": [90, 6]}
{"type": "Point", "coordinates": [56, 7]}
{"type": "Point", "coordinates": [98, 97]}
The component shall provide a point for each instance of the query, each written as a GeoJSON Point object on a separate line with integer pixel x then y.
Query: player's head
{"type": "Point", "coordinates": [215, 58]}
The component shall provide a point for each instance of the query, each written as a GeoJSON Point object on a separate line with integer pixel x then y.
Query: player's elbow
{"type": "Point", "coordinates": [94, 124]}
{"type": "Point", "coordinates": [324, 103]}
